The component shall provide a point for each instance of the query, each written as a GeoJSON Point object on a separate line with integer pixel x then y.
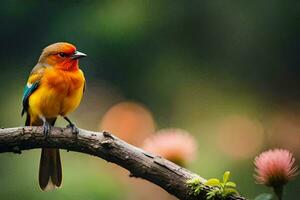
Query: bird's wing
{"type": "Point", "coordinates": [32, 84]}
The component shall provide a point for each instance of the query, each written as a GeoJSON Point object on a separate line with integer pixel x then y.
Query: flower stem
{"type": "Point", "coordinates": [278, 190]}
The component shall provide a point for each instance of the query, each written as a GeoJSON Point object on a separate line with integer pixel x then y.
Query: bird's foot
{"type": "Point", "coordinates": [47, 129]}
{"type": "Point", "coordinates": [74, 128]}
{"type": "Point", "coordinates": [71, 125]}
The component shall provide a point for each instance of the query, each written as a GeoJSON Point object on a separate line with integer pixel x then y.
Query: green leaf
{"type": "Point", "coordinates": [197, 190]}
{"type": "Point", "coordinates": [264, 196]}
{"type": "Point", "coordinates": [213, 182]}
{"type": "Point", "coordinates": [230, 184]}
{"type": "Point", "coordinates": [222, 185]}
{"type": "Point", "coordinates": [228, 191]}
{"type": "Point", "coordinates": [226, 176]}
{"type": "Point", "coordinates": [211, 194]}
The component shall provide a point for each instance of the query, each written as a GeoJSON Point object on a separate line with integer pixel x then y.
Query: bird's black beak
{"type": "Point", "coordinates": [78, 55]}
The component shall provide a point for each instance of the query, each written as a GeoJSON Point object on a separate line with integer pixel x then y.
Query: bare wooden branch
{"type": "Point", "coordinates": [139, 163]}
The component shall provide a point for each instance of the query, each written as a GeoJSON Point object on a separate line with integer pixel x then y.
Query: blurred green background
{"type": "Point", "coordinates": [226, 71]}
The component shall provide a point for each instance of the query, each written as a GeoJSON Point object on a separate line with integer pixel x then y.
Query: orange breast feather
{"type": "Point", "coordinates": [59, 93]}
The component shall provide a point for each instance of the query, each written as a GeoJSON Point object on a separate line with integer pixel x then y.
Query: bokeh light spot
{"type": "Point", "coordinates": [239, 137]}
{"type": "Point", "coordinates": [284, 131]}
{"type": "Point", "coordinates": [129, 121]}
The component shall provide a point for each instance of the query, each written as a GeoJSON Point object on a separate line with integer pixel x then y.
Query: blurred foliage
{"type": "Point", "coordinates": [194, 64]}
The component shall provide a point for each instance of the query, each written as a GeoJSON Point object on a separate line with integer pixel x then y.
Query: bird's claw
{"type": "Point", "coordinates": [75, 130]}
{"type": "Point", "coordinates": [47, 129]}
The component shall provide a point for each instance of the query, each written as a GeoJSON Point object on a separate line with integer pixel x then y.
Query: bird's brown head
{"type": "Point", "coordinates": [61, 55]}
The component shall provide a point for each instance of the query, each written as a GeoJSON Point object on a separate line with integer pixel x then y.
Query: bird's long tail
{"type": "Point", "coordinates": [50, 171]}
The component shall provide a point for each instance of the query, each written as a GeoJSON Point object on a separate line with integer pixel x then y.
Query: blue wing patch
{"type": "Point", "coordinates": [28, 90]}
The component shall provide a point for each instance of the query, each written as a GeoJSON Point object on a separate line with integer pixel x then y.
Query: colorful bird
{"type": "Point", "coordinates": [55, 88]}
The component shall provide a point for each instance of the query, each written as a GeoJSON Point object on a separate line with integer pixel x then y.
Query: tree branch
{"type": "Point", "coordinates": [155, 169]}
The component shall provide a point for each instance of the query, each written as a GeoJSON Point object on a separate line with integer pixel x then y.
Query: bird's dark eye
{"type": "Point", "coordinates": [62, 54]}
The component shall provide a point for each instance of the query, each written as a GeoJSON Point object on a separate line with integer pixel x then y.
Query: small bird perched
{"type": "Point", "coordinates": [55, 88]}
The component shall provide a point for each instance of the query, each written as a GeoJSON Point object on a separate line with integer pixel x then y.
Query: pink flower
{"type": "Point", "coordinates": [275, 167]}
{"type": "Point", "coordinates": [175, 145]}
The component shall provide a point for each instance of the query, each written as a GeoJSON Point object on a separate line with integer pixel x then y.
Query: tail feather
{"type": "Point", "coordinates": [50, 171]}
{"type": "Point", "coordinates": [50, 174]}
{"type": "Point", "coordinates": [57, 170]}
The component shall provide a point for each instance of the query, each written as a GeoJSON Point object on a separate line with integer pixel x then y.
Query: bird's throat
{"type": "Point", "coordinates": [69, 65]}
